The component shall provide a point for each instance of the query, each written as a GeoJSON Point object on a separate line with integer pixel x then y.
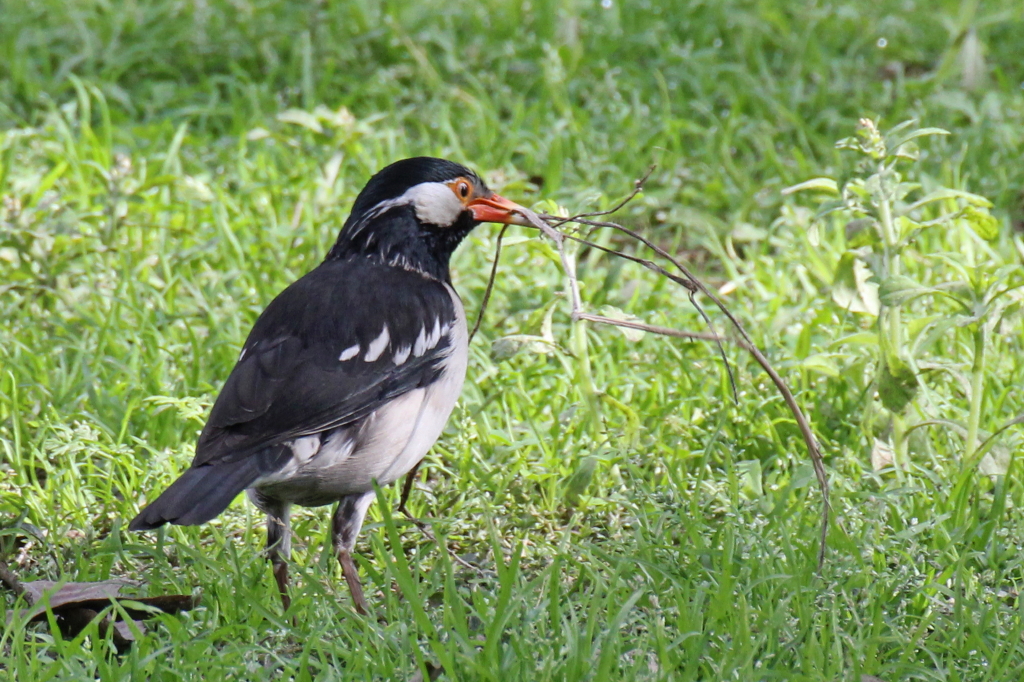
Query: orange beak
{"type": "Point", "coordinates": [497, 209]}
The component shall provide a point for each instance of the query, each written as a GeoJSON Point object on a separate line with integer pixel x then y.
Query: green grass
{"type": "Point", "coordinates": [155, 200]}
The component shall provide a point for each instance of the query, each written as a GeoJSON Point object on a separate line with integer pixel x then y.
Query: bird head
{"type": "Point", "coordinates": [415, 212]}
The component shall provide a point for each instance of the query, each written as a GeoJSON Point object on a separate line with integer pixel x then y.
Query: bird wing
{"type": "Point", "coordinates": [329, 350]}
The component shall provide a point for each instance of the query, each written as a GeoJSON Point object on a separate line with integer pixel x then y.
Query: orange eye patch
{"type": "Point", "coordinates": [463, 189]}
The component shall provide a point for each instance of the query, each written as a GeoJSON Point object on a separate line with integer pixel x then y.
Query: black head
{"type": "Point", "coordinates": [415, 212]}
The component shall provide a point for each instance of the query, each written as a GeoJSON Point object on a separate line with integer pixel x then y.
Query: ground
{"type": "Point", "coordinates": [167, 167]}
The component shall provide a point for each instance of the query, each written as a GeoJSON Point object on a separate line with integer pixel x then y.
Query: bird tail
{"type": "Point", "coordinates": [199, 494]}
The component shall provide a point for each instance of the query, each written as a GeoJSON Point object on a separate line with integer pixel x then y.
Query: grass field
{"type": "Point", "coordinates": [167, 167]}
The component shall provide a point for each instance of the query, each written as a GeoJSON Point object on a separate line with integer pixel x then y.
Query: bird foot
{"type": "Point", "coordinates": [281, 577]}
{"type": "Point", "coordinates": [348, 569]}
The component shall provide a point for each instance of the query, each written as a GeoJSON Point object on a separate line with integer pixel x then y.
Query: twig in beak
{"type": "Point", "coordinates": [490, 284]}
{"type": "Point", "coordinates": [692, 284]}
{"type": "Point", "coordinates": [548, 225]}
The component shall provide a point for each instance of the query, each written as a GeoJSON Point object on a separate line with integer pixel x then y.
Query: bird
{"type": "Point", "coordinates": [349, 375]}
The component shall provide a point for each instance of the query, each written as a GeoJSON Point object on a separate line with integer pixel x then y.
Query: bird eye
{"type": "Point", "coordinates": [463, 189]}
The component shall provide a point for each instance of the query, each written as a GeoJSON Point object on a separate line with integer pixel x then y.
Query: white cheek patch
{"type": "Point", "coordinates": [435, 203]}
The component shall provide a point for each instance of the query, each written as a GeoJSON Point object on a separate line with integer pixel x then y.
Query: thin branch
{"type": "Point", "coordinates": [721, 349]}
{"type": "Point", "coordinates": [9, 580]}
{"type": "Point", "coordinates": [690, 283]}
{"type": "Point", "coordinates": [423, 528]}
{"type": "Point", "coordinates": [638, 186]}
{"type": "Point", "coordinates": [654, 329]}
{"type": "Point", "coordinates": [548, 223]}
{"type": "Point", "coordinates": [650, 265]}
{"type": "Point", "coordinates": [490, 284]}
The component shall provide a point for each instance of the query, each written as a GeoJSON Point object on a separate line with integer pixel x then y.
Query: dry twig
{"type": "Point", "coordinates": [9, 580]}
{"type": "Point", "coordinates": [549, 225]}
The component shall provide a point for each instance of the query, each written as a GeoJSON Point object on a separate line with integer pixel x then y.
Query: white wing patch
{"type": "Point", "coordinates": [435, 335]}
{"type": "Point", "coordinates": [427, 340]}
{"type": "Point", "coordinates": [378, 345]}
{"type": "Point", "coordinates": [420, 347]}
{"type": "Point", "coordinates": [402, 354]}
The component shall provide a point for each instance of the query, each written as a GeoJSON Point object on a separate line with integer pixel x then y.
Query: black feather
{"type": "Point", "coordinates": [290, 381]}
{"type": "Point", "coordinates": [203, 492]}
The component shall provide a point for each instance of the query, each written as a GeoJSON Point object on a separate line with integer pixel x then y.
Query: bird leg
{"type": "Point", "coordinates": [348, 519]}
{"type": "Point", "coordinates": [279, 547]}
{"type": "Point", "coordinates": [348, 569]}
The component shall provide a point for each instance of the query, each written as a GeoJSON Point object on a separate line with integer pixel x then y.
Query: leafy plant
{"type": "Point", "coordinates": [901, 243]}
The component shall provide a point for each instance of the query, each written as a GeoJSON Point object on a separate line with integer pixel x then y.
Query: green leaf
{"type": "Point", "coordinates": [750, 476]}
{"type": "Point", "coordinates": [898, 129]}
{"type": "Point", "coordinates": [817, 184]}
{"type": "Point", "coordinates": [851, 289]}
{"type": "Point", "coordinates": [580, 480]}
{"type": "Point", "coordinates": [896, 290]}
{"type": "Point", "coordinates": [830, 206]}
{"type": "Point", "coordinates": [614, 313]}
{"type": "Point", "coordinates": [906, 227]}
{"type": "Point", "coordinates": [895, 141]}
{"type": "Point", "coordinates": [983, 223]}
{"type": "Point", "coordinates": [947, 193]}
{"type": "Point", "coordinates": [822, 364]}
{"type": "Point", "coordinates": [507, 346]}
{"type": "Point", "coordinates": [897, 383]}
{"type": "Point", "coordinates": [301, 118]}
{"type": "Point", "coordinates": [47, 182]}
{"type": "Point", "coordinates": [917, 325]}
{"type": "Point", "coordinates": [908, 151]}
{"type": "Point", "coordinates": [858, 339]}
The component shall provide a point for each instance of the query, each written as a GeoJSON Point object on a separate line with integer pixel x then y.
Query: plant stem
{"type": "Point", "coordinates": [584, 374]}
{"type": "Point", "coordinates": [889, 320]}
{"type": "Point", "coordinates": [580, 345]}
{"type": "Point", "coordinates": [892, 267]}
{"type": "Point", "coordinates": [977, 390]}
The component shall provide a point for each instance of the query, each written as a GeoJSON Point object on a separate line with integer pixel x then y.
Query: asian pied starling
{"type": "Point", "coordinates": [350, 374]}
